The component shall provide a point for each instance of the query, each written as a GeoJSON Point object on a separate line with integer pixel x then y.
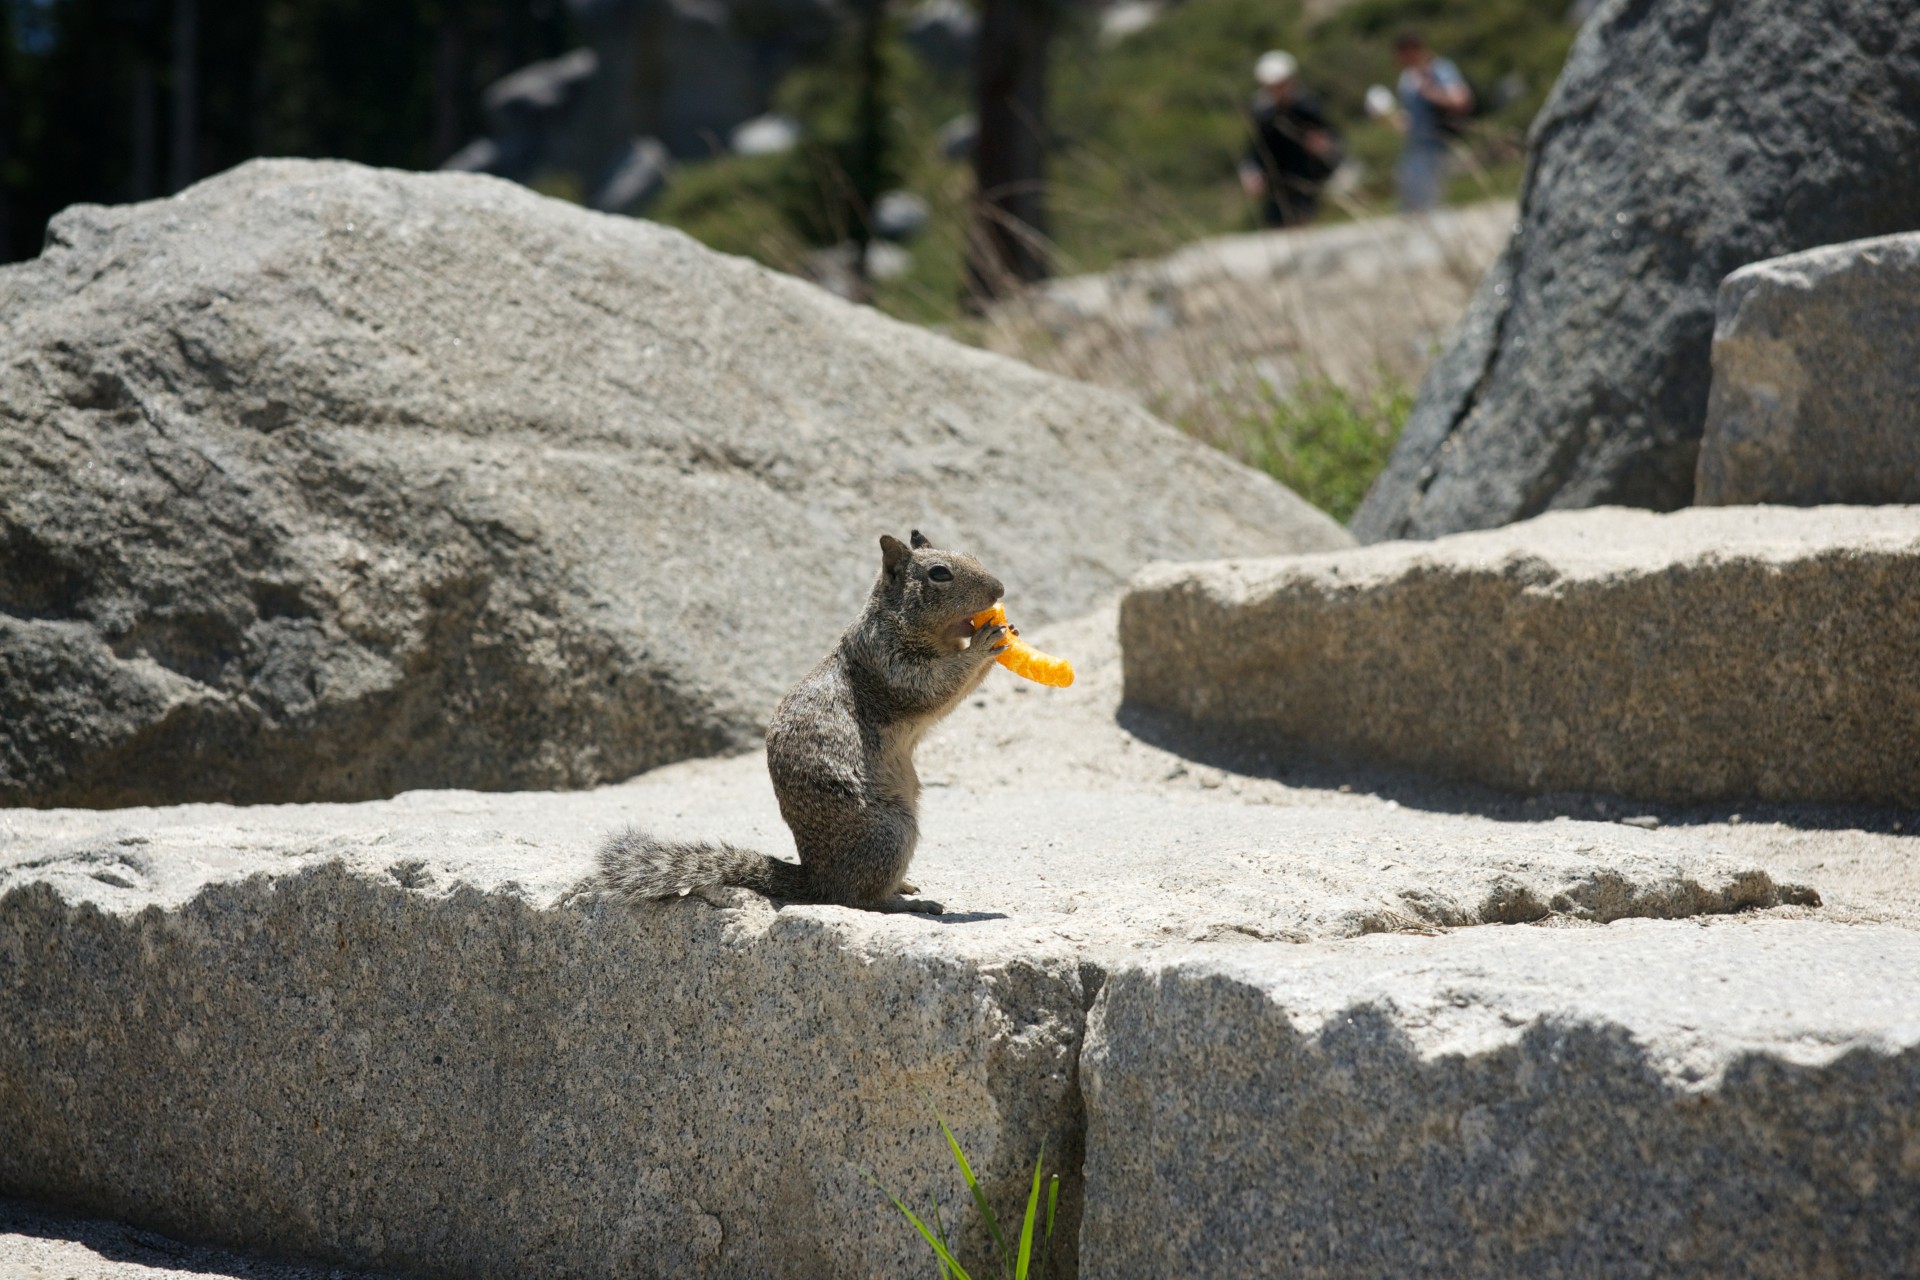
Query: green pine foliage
{"type": "Point", "coordinates": [1146, 133]}
{"type": "Point", "coordinates": [87, 89]}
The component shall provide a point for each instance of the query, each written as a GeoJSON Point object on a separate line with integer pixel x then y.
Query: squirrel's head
{"type": "Point", "coordinates": [935, 593]}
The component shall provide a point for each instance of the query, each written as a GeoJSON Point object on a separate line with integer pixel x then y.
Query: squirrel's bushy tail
{"type": "Point", "coordinates": [633, 864]}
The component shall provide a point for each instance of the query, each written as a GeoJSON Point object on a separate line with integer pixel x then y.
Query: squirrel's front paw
{"type": "Point", "coordinates": [988, 640]}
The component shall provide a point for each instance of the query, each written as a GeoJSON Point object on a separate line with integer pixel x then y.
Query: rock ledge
{"type": "Point", "coordinates": [1731, 653]}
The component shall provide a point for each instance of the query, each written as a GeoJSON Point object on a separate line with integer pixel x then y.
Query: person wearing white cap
{"type": "Point", "coordinates": [1275, 66]}
{"type": "Point", "coordinates": [1294, 150]}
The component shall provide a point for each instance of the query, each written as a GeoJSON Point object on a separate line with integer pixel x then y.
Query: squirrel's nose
{"type": "Point", "coordinates": [998, 590]}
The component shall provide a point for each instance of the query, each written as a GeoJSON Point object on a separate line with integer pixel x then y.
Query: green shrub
{"type": "Point", "coordinates": [1327, 443]}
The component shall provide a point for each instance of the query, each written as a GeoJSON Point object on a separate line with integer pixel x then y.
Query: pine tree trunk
{"type": "Point", "coordinates": [869, 157]}
{"type": "Point", "coordinates": [449, 89]}
{"type": "Point", "coordinates": [186, 91]}
{"type": "Point", "coordinates": [146, 136]}
{"type": "Point", "coordinates": [1008, 243]}
{"type": "Point", "coordinates": [9, 116]}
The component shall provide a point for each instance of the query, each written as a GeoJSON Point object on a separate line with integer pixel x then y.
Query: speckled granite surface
{"type": "Point", "coordinates": [383, 1036]}
{"type": "Point", "coordinates": [1728, 653]}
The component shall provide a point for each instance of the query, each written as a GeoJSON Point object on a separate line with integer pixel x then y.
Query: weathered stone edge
{"type": "Point", "coordinates": [1202, 648]}
{"type": "Point", "coordinates": [327, 1066]}
{"type": "Point", "coordinates": [101, 1009]}
{"type": "Point", "coordinates": [1568, 1145]}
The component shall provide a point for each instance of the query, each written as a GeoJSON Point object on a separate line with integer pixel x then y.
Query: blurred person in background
{"type": "Point", "coordinates": [1434, 100]}
{"type": "Point", "coordinates": [1293, 151]}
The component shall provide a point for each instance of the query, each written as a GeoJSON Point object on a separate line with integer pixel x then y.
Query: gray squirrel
{"type": "Point", "coordinates": [840, 748]}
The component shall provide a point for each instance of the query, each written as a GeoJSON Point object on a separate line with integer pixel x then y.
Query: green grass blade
{"type": "Point", "coordinates": [941, 1228]}
{"type": "Point", "coordinates": [1028, 1219]}
{"type": "Point", "coordinates": [1053, 1201]}
{"type": "Point", "coordinates": [973, 1185]}
{"type": "Point", "coordinates": [940, 1250]}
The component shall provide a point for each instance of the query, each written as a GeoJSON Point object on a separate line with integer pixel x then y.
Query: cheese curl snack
{"type": "Point", "coordinates": [1021, 658]}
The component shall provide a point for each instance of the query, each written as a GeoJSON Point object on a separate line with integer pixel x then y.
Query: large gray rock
{"type": "Point", "coordinates": [382, 1034]}
{"type": "Point", "coordinates": [1685, 139]}
{"type": "Point", "coordinates": [1760, 652]}
{"type": "Point", "coordinates": [1642, 1100]}
{"type": "Point", "coordinates": [1816, 379]}
{"type": "Point", "coordinates": [324, 482]}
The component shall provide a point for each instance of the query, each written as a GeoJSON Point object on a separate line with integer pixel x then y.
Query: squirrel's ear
{"type": "Point", "coordinates": [920, 540]}
{"type": "Point", "coordinates": [893, 553]}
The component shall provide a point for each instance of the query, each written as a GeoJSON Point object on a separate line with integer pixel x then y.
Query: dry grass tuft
{"type": "Point", "coordinates": [1295, 351]}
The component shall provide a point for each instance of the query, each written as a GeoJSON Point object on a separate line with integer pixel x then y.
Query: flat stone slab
{"type": "Point", "coordinates": [1649, 1099]}
{"type": "Point", "coordinates": [324, 1063]}
{"type": "Point", "coordinates": [1816, 379]}
{"type": "Point", "coordinates": [387, 1035]}
{"type": "Point", "coordinates": [1106, 873]}
{"type": "Point", "coordinates": [1708, 654]}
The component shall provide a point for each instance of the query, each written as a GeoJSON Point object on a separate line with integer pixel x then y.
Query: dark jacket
{"type": "Point", "coordinates": [1278, 151]}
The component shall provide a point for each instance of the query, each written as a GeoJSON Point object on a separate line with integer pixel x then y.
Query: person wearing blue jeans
{"type": "Point", "coordinates": [1432, 93]}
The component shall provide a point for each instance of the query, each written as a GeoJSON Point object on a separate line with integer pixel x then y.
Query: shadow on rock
{"type": "Point", "coordinates": [1301, 765]}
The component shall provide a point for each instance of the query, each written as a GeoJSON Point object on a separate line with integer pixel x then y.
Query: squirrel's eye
{"type": "Point", "coordinates": [940, 573]}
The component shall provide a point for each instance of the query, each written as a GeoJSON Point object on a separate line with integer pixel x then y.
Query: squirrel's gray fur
{"type": "Point", "coordinates": [840, 747]}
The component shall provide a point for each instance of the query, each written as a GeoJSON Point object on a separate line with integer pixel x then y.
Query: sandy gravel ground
{"type": "Point", "coordinates": [40, 1244]}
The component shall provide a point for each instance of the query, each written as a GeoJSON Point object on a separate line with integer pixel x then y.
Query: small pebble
{"type": "Point", "coordinates": [1645, 821]}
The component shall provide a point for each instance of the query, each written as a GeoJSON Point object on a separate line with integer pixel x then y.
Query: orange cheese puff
{"type": "Point", "coordinates": [1021, 658]}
